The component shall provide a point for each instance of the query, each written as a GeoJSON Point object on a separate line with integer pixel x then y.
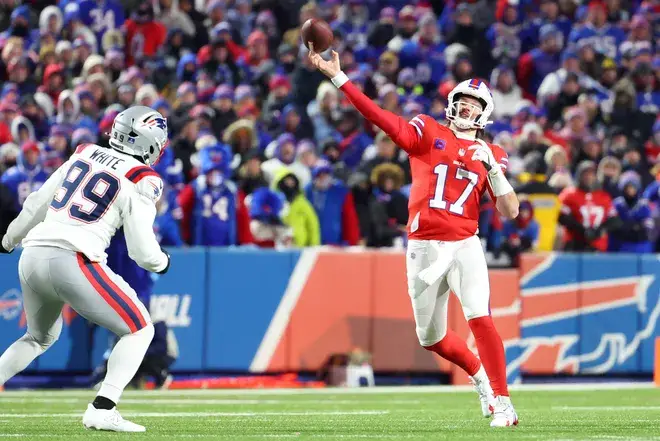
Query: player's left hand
{"type": "Point", "coordinates": [484, 154]}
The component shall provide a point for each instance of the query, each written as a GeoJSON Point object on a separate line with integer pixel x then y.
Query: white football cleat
{"type": "Point", "coordinates": [504, 414]}
{"type": "Point", "coordinates": [486, 397]}
{"type": "Point", "coordinates": [103, 419]}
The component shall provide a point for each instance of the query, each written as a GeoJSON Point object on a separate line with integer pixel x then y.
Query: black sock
{"type": "Point", "coordinates": [103, 403]}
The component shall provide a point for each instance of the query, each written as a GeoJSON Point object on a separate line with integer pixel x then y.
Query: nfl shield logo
{"type": "Point", "coordinates": [439, 143]}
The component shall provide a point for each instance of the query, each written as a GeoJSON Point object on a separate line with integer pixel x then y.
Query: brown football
{"type": "Point", "coordinates": [318, 32]}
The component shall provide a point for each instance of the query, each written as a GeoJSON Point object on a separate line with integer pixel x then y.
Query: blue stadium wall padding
{"type": "Point", "coordinates": [180, 298]}
{"type": "Point", "coordinates": [12, 319]}
{"type": "Point", "coordinates": [245, 289]}
{"type": "Point", "coordinates": [649, 313]}
{"type": "Point", "coordinates": [609, 313]}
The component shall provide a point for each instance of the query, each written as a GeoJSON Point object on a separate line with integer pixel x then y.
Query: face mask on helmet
{"type": "Point", "coordinates": [465, 111]}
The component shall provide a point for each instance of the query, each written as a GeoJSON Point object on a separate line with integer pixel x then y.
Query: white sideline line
{"type": "Point", "coordinates": [606, 408]}
{"type": "Point", "coordinates": [340, 391]}
{"type": "Point", "coordinates": [185, 402]}
{"type": "Point", "coordinates": [201, 414]}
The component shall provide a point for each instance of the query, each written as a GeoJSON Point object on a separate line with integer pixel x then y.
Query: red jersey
{"type": "Point", "coordinates": [591, 209]}
{"type": "Point", "coordinates": [143, 39]}
{"type": "Point", "coordinates": [447, 185]}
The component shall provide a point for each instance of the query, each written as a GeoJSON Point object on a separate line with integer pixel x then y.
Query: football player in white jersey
{"type": "Point", "coordinates": [64, 229]}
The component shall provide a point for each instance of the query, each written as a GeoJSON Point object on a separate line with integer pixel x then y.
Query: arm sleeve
{"type": "Point", "coordinates": [34, 209]}
{"type": "Point", "coordinates": [139, 214]}
{"type": "Point", "coordinates": [350, 224]}
{"type": "Point", "coordinates": [406, 135]}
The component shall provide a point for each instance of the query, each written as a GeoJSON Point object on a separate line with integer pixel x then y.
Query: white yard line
{"type": "Point", "coordinates": [606, 408]}
{"type": "Point", "coordinates": [186, 402]}
{"type": "Point", "coordinates": [202, 414]}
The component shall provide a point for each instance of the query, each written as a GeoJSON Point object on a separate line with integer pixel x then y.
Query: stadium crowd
{"type": "Point", "coordinates": [264, 150]}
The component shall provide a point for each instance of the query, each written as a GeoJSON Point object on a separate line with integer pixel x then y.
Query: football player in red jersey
{"type": "Point", "coordinates": [587, 212]}
{"type": "Point", "coordinates": [451, 170]}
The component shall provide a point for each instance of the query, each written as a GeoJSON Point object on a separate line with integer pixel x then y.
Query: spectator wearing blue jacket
{"type": "Point", "coordinates": [520, 234]}
{"type": "Point", "coordinates": [333, 202]}
{"type": "Point", "coordinates": [27, 175]}
{"type": "Point", "coordinates": [636, 214]}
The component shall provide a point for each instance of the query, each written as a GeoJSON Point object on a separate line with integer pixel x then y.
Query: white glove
{"type": "Point", "coordinates": [498, 182]}
{"type": "Point", "coordinates": [484, 154]}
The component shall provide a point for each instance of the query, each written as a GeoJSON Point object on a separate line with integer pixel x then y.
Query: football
{"type": "Point", "coordinates": [318, 32]}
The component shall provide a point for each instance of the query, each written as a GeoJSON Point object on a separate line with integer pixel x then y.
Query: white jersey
{"type": "Point", "coordinates": [85, 201]}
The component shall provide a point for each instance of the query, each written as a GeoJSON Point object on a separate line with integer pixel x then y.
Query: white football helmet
{"type": "Point", "coordinates": [140, 131]}
{"type": "Point", "coordinates": [473, 117]}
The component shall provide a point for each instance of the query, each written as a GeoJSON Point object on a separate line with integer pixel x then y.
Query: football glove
{"type": "Point", "coordinates": [498, 182]}
{"type": "Point", "coordinates": [4, 250]}
{"type": "Point", "coordinates": [169, 260]}
{"type": "Point", "coordinates": [484, 154]}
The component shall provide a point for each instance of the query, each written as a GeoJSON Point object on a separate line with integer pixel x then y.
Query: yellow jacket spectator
{"type": "Point", "coordinates": [301, 216]}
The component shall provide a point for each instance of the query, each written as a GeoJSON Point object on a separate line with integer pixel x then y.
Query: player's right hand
{"type": "Point", "coordinates": [4, 250]}
{"type": "Point", "coordinates": [329, 68]}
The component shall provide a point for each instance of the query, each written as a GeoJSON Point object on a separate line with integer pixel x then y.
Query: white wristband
{"type": "Point", "coordinates": [499, 183]}
{"type": "Point", "coordinates": [340, 79]}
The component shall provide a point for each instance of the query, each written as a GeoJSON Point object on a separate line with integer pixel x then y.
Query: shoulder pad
{"type": "Point", "coordinates": [136, 174]}
{"type": "Point", "coordinates": [150, 187]}
{"type": "Point", "coordinates": [82, 147]}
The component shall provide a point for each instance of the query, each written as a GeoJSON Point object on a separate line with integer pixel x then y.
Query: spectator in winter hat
{"type": "Point", "coordinates": [57, 148]}
{"type": "Point", "coordinates": [386, 153]}
{"type": "Point", "coordinates": [53, 81]}
{"type": "Point", "coordinates": [223, 104]}
{"type": "Point", "coordinates": [45, 104]}
{"type": "Point", "coordinates": [285, 156]}
{"type": "Point", "coordinates": [241, 136]}
{"type": "Point", "coordinates": [26, 174]}
{"type": "Point", "coordinates": [19, 71]}
{"type": "Point", "coordinates": [244, 96]}
{"type": "Point", "coordinates": [609, 170]}
{"type": "Point", "coordinates": [290, 121]}
{"type": "Point", "coordinates": [388, 66]}
{"type": "Point", "coordinates": [249, 175]}
{"type": "Point", "coordinates": [146, 95]}
{"type": "Point", "coordinates": [334, 206]}
{"type": "Point", "coordinates": [555, 159]}
{"type": "Point", "coordinates": [320, 111]}
{"type": "Point", "coordinates": [22, 130]}
{"type": "Point", "coordinates": [567, 97]}
{"type": "Point", "coordinates": [576, 124]}
{"type": "Point", "coordinates": [307, 153]}
{"type": "Point", "coordinates": [389, 98]}
{"type": "Point", "coordinates": [286, 57]}
{"type": "Point", "coordinates": [36, 115]}
{"type": "Point", "coordinates": [186, 69]}
{"type": "Point", "coordinates": [637, 216]}
{"type": "Point", "coordinates": [257, 50]}
{"type": "Point", "coordinates": [355, 141]}
{"type": "Point", "coordinates": [506, 93]}
{"type": "Point", "coordinates": [126, 95]}
{"type": "Point", "coordinates": [301, 216]}
{"type": "Point", "coordinates": [242, 18]}
{"type": "Point", "coordinates": [278, 98]}
{"type": "Point", "coordinates": [83, 136]}
{"type": "Point", "coordinates": [114, 63]}
{"type": "Point", "coordinates": [51, 20]}
{"type": "Point", "coordinates": [609, 73]}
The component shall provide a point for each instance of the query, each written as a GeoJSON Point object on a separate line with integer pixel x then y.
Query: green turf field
{"type": "Point", "coordinates": [380, 413]}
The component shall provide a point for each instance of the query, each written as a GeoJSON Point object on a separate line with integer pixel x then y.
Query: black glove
{"type": "Point", "coordinates": [591, 234]}
{"type": "Point", "coordinates": [169, 260]}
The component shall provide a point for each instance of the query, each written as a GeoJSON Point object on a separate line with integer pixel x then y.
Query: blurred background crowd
{"type": "Point", "coordinates": [264, 151]}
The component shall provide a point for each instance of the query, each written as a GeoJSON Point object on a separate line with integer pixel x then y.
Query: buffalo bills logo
{"type": "Point", "coordinates": [439, 144]}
